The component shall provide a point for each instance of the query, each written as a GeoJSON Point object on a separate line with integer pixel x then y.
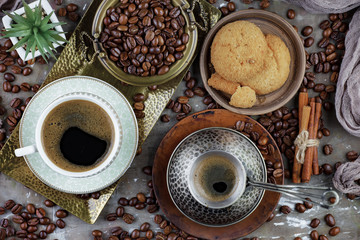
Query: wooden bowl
{"type": "Point", "coordinates": [269, 23]}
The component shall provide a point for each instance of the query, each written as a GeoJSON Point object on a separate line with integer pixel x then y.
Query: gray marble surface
{"type": "Point", "coordinates": [281, 227]}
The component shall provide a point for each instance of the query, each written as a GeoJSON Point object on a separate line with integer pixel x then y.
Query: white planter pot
{"type": "Point", "coordinates": [47, 9]}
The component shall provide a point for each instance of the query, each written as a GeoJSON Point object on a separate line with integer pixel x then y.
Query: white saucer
{"type": "Point", "coordinates": [129, 127]}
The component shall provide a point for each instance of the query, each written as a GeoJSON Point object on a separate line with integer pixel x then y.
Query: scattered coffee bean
{"type": "Point", "coordinates": [327, 168]}
{"type": "Point", "coordinates": [291, 14]}
{"type": "Point", "coordinates": [314, 235]}
{"type": "Point", "coordinates": [328, 149]}
{"type": "Point", "coordinates": [285, 209]}
{"type": "Point", "coordinates": [334, 231]}
{"type": "Point", "coordinates": [60, 223]}
{"type": "Point", "coordinates": [111, 217]}
{"type": "Point", "coordinates": [315, 223]}
{"type": "Point", "coordinates": [61, 213]}
{"type": "Point", "coordinates": [50, 228]}
{"type": "Point", "coordinates": [323, 237]}
{"type": "Point", "coordinates": [128, 218]}
{"type": "Point", "coordinates": [330, 220]}
{"type": "Point", "coordinates": [300, 207]}
{"type": "Point", "coordinates": [9, 77]}
{"type": "Point", "coordinates": [49, 203]}
{"type": "Point", "coordinates": [308, 42]}
{"type": "Point", "coordinates": [123, 201]}
{"type": "Point", "coordinates": [306, 31]}
{"type": "Point", "coordinates": [352, 156]}
{"type": "Point", "coordinates": [165, 118]}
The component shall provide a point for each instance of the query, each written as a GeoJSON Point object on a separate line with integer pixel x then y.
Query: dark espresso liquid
{"type": "Point", "coordinates": [80, 147]}
{"type": "Point", "coordinates": [77, 135]}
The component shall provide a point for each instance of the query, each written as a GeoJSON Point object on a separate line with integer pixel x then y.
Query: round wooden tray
{"type": "Point", "coordinates": [192, 123]}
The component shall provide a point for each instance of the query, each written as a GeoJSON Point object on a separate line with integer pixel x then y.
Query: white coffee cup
{"type": "Point", "coordinates": [38, 147]}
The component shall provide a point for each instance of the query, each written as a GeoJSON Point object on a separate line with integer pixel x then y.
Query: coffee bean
{"type": "Point", "coordinates": [4, 222]}
{"type": "Point", "coordinates": [71, 7]}
{"type": "Point", "coordinates": [58, 2]}
{"type": "Point", "coordinates": [50, 228]}
{"type": "Point", "coordinates": [40, 212]}
{"type": "Point", "coordinates": [152, 208]}
{"type": "Point", "coordinates": [16, 209]}
{"type": "Point", "coordinates": [327, 168]}
{"type": "Point", "coordinates": [285, 209]}
{"type": "Point", "coordinates": [352, 156]}
{"type": "Point", "coordinates": [323, 237]}
{"type": "Point", "coordinates": [231, 6]}
{"type": "Point", "coordinates": [3, 67]}
{"type": "Point", "coordinates": [111, 217]}
{"type": "Point", "coordinates": [328, 149]}
{"type": "Point", "coordinates": [123, 201]}
{"type": "Point", "coordinates": [61, 213]}
{"type": "Point", "coordinates": [15, 102]}
{"type": "Point", "coordinates": [326, 132]}
{"type": "Point", "coordinates": [116, 231]}
{"type": "Point", "coordinates": [189, 93]}
{"type": "Point", "coordinates": [73, 16]}
{"type": "Point", "coordinates": [44, 221]}
{"type": "Point", "coordinates": [128, 218]}
{"type": "Point", "coordinates": [135, 234]}
{"type": "Point", "coordinates": [308, 42]}
{"type": "Point", "coordinates": [42, 234]}
{"type": "Point", "coordinates": [96, 233]}
{"type": "Point", "coordinates": [9, 77]}
{"type": "Point", "coordinates": [314, 235]}
{"type": "Point", "coordinates": [18, 219]}
{"type": "Point", "coordinates": [147, 170]}
{"type": "Point", "coordinates": [21, 234]}
{"type": "Point", "coordinates": [334, 231]}
{"type": "Point", "coordinates": [35, 88]}
{"type": "Point", "coordinates": [315, 223]}
{"type": "Point", "coordinates": [306, 31]}
{"type": "Point", "coordinates": [60, 223]}
{"type": "Point", "coordinates": [300, 207]}
{"type": "Point", "coordinates": [49, 203]}
{"type": "Point", "coordinates": [224, 11]}
{"type": "Point", "coordinates": [62, 12]}
{"type": "Point", "coordinates": [330, 220]}
{"type": "Point", "coordinates": [16, 69]}
{"type": "Point", "coordinates": [314, 59]}
{"type": "Point", "coordinates": [149, 234]}
{"type": "Point", "coordinates": [165, 118]}
{"type": "Point", "coordinates": [158, 219]}
{"type": "Point", "coordinates": [30, 208]}
{"type": "Point", "coordinates": [144, 227]}
{"type": "Point", "coordinates": [33, 221]}
{"type": "Point", "coordinates": [139, 97]}
{"type": "Point", "coordinates": [291, 14]}
{"type": "Point", "coordinates": [25, 87]}
{"type": "Point", "coordinates": [278, 173]}
{"type": "Point", "coordinates": [20, 62]}
{"type": "Point", "coordinates": [32, 229]}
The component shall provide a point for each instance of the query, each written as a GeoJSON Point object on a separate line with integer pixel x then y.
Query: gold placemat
{"type": "Point", "coordinates": [71, 62]}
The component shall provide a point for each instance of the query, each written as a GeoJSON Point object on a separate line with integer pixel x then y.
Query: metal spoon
{"type": "Point", "coordinates": [300, 192]}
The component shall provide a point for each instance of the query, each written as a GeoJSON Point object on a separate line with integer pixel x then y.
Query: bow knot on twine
{"type": "Point", "coordinates": [302, 141]}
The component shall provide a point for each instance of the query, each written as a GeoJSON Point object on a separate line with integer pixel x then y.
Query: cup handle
{"type": "Point", "coordinates": [20, 152]}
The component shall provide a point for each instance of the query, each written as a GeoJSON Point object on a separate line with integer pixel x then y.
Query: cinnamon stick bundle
{"type": "Point", "coordinates": [304, 121]}
{"type": "Point", "coordinates": [315, 163]}
{"type": "Point", "coordinates": [307, 166]}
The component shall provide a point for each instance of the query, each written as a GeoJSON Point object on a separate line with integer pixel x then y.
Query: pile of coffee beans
{"type": "Point", "coordinates": [146, 38]}
{"type": "Point", "coordinates": [68, 11]}
{"type": "Point", "coordinates": [29, 222]}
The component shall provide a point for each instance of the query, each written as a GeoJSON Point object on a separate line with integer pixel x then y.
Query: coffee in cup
{"type": "Point", "coordinates": [217, 179]}
{"type": "Point", "coordinates": [77, 135]}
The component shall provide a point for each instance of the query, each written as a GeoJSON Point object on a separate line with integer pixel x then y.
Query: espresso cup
{"type": "Point", "coordinates": [77, 169]}
{"type": "Point", "coordinates": [217, 179]}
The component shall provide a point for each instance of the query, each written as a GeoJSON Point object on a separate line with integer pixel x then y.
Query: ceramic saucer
{"type": "Point", "coordinates": [185, 157]}
{"type": "Point", "coordinates": [188, 125]}
{"type": "Point", "coordinates": [128, 122]}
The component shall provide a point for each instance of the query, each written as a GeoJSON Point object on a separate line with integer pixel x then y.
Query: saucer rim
{"type": "Point", "coordinates": [67, 188]}
{"type": "Point", "coordinates": [255, 204]}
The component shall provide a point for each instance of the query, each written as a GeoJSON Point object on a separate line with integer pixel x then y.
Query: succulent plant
{"type": "Point", "coordinates": [34, 31]}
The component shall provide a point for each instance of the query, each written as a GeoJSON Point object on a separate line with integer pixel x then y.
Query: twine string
{"type": "Point", "coordinates": [302, 141]}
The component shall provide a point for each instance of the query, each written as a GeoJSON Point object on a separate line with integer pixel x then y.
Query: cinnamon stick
{"type": "Point", "coordinates": [304, 120]}
{"type": "Point", "coordinates": [315, 163]}
{"type": "Point", "coordinates": [307, 166]}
